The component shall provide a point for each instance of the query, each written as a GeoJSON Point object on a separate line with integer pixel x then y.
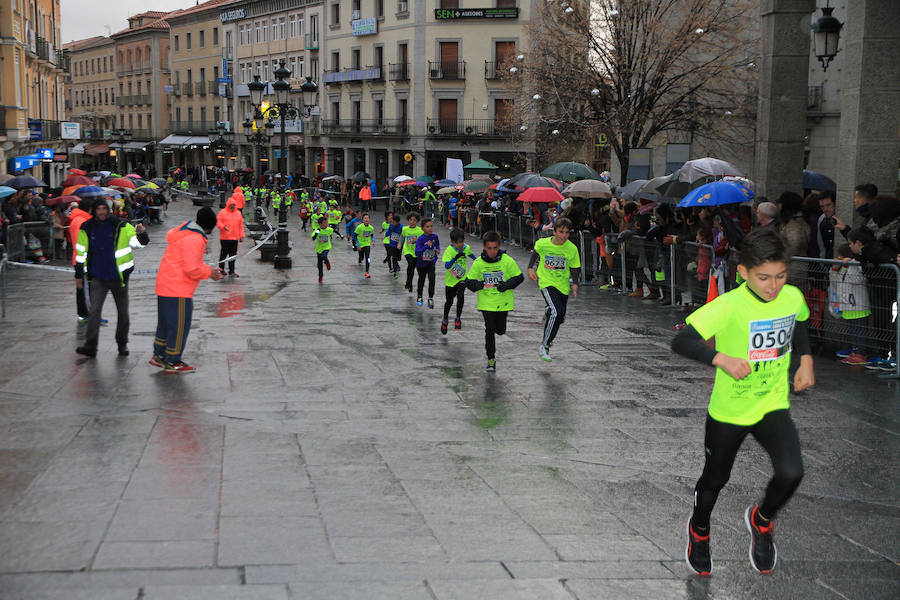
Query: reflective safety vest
{"type": "Point", "coordinates": [125, 239]}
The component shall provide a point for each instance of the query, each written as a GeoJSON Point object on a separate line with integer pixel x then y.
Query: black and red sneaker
{"type": "Point", "coordinates": [444, 324]}
{"type": "Point", "coordinates": [328, 264]}
{"type": "Point", "coordinates": [696, 554]}
{"type": "Point", "coordinates": [157, 361]}
{"type": "Point", "coordinates": [763, 554]}
{"type": "Point", "coordinates": [457, 324]}
{"type": "Point", "coordinates": [178, 368]}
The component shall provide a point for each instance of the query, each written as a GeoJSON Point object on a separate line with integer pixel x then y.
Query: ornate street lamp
{"type": "Point", "coordinates": [258, 138]}
{"type": "Point", "coordinates": [122, 136]}
{"type": "Point", "coordinates": [826, 34]}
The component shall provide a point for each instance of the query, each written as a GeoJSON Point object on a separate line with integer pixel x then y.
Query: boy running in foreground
{"type": "Point", "coordinates": [559, 261]}
{"type": "Point", "coordinates": [364, 232]}
{"type": "Point", "coordinates": [494, 275]}
{"type": "Point", "coordinates": [456, 263]}
{"type": "Point", "coordinates": [754, 327]}
{"type": "Point", "coordinates": [322, 235]}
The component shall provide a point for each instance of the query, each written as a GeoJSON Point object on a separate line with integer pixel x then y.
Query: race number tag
{"type": "Point", "coordinates": [554, 263]}
{"type": "Point", "coordinates": [770, 339]}
{"type": "Point", "coordinates": [323, 239]}
{"type": "Point", "coordinates": [428, 255]}
{"type": "Point", "coordinates": [395, 237]}
{"type": "Point", "coordinates": [410, 240]}
{"type": "Point", "coordinates": [365, 234]}
{"type": "Point", "coordinates": [492, 278]}
{"type": "Point", "coordinates": [457, 270]}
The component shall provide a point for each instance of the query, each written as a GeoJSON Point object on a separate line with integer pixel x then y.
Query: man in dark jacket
{"type": "Point", "coordinates": [104, 252]}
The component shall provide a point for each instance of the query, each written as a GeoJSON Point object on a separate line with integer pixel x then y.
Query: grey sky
{"type": "Point", "coordinates": [87, 18]}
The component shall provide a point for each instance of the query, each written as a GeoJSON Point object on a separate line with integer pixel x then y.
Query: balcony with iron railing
{"type": "Point", "coordinates": [200, 88]}
{"type": "Point", "coordinates": [188, 88]}
{"type": "Point", "coordinates": [468, 127]}
{"type": "Point", "coordinates": [228, 52]}
{"type": "Point", "coordinates": [311, 41]}
{"type": "Point", "coordinates": [399, 71]}
{"type": "Point", "coordinates": [380, 69]}
{"type": "Point", "coordinates": [372, 127]}
{"type": "Point", "coordinates": [494, 70]}
{"type": "Point", "coordinates": [191, 127]}
{"type": "Point", "coordinates": [64, 61]}
{"type": "Point", "coordinates": [447, 71]}
{"type": "Point", "coordinates": [176, 89]}
{"type": "Point", "coordinates": [42, 48]}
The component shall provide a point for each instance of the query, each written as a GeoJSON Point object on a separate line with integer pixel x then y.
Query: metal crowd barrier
{"type": "Point", "coordinates": [3, 268]}
{"type": "Point", "coordinates": [17, 240]}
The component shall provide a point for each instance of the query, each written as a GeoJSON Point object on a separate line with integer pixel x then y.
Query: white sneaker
{"type": "Point", "coordinates": [544, 353]}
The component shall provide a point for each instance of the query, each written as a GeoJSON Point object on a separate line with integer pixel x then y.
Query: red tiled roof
{"type": "Point", "coordinates": [202, 6]}
{"type": "Point", "coordinates": [97, 40]}
{"type": "Point", "coordinates": [158, 24]}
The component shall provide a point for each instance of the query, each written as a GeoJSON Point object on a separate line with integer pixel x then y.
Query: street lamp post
{"type": "Point", "coordinates": [281, 111]}
{"type": "Point", "coordinates": [257, 140]}
{"type": "Point", "coordinates": [220, 140]}
{"type": "Point", "coordinates": [122, 137]}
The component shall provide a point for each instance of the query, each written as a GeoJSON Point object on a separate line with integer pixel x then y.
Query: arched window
{"type": "Point", "coordinates": [128, 60]}
{"type": "Point", "coordinates": [137, 56]}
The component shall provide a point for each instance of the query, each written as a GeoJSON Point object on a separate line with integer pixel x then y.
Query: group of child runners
{"type": "Point", "coordinates": [755, 328]}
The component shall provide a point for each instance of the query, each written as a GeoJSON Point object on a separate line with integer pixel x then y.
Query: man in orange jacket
{"type": "Point", "coordinates": [231, 231]}
{"type": "Point", "coordinates": [180, 271]}
{"type": "Point", "coordinates": [79, 215]}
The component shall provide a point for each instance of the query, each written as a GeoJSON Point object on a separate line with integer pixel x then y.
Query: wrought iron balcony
{"type": "Point", "coordinates": [468, 127]}
{"type": "Point", "coordinates": [399, 71]}
{"type": "Point", "coordinates": [367, 127]}
{"type": "Point", "coordinates": [448, 71]}
{"type": "Point", "coordinates": [191, 127]}
{"type": "Point", "coordinates": [311, 42]}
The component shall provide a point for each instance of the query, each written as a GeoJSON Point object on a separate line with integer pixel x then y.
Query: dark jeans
{"type": "Point", "coordinates": [98, 296]}
{"type": "Point", "coordinates": [555, 313]}
{"type": "Point", "coordinates": [457, 292]}
{"type": "Point", "coordinates": [82, 300]}
{"type": "Point", "coordinates": [229, 249]}
{"type": "Point", "coordinates": [778, 437]}
{"type": "Point", "coordinates": [426, 271]}
{"type": "Point", "coordinates": [173, 324]}
{"type": "Point", "coordinates": [322, 259]}
{"type": "Point", "coordinates": [393, 258]}
{"type": "Point", "coordinates": [494, 324]}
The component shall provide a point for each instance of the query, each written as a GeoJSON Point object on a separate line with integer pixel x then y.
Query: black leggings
{"type": "Point", "coordinates": [555, 312]}
{"type": "Point", "coordinates": [322, 259]}
{"type": "Point", "coordinates": [778, 437]}
{"type": "Point", "coordinates": [364, 254]}
{"type": "Point", "coordinates": [410, 269]}
{"type": "Point", "coordinates": [457, 292]}
{"type": "Point", "coordinates": [228, 249]}
{"type": "Point", "coordinates": [494, 324]}
{"type": "Point", "coordinates": [426, 271]}
{"type": "Point", "coordinates": [394, 259]}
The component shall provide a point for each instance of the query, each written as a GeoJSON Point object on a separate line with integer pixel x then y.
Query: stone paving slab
{"type": "Point", "coordinates": [333, 444]}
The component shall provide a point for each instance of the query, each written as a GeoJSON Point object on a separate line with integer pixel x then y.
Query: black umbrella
{"type": "Point", "coordinates": [24, 181]}
{"type": "Point", "coordinates": [159, 181]}
{"type": "Point", "coordinates": [360, 176]}
{"type": "Point", "coordinates": [529, 180]}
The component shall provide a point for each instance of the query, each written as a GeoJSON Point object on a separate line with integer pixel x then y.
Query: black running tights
{"type": "Point", "coordinates": [457, 292]}
{"type": "Point", "coordinates": [426, 271]}
{"type": "Point", "coordinates": [778, 437]}
{"type": "Point", "coordinates": [494, 324]}
{"type": "Point", "coordinates": [364, 252]}
{"type": "Point", "coordinates": [410, 269]}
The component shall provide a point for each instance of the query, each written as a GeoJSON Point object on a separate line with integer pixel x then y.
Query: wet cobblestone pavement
{"type": "Point", "coordinates": [334, 445]}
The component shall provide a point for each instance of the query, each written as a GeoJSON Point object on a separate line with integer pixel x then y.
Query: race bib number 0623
{"type": "Point", "coordinates": [554, 263]}
{"type": "Point", "coordinates": [771, 338]}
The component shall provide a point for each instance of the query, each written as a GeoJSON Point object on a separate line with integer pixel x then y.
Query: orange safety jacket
{"type": "Point", "coordinates": [182, 267]}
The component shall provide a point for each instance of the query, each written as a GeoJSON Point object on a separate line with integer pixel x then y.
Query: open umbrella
{"type": "Point", "coordinates": [114, 193]}
{"type": "Point", "coordinates": [527, 180]}
{"type": "Point", "coordinates": [125, 182]}
{"type": "Point", "coordinates": [570, 171]}
{"type": "Point", "coordinates": [89, 191]}
{"type": "Point", "coordinates": [445, 190]}
{"type": "Point", "coordinates": [817, 181]}
{"type": "Point", "coordinates": [159, 181]}
{"type": "Point", "coordinates": [147, 186]}
{"type": "Point", "coordinates": [77, 180]}
{"type": "Point", "coordinates": [74, 171]}
{"type": "Point", "coordinates": [24, 181]}
{"type": "Point", "coordinates": [444, 182]}
{"type": "Point", "coordinates": [699, 168]}
{"type": "Point", "coordinates": [401, 178]}
{"type": "Point", "coordinates": [666, 186]}
{"type": "Point", "coordinates": [541, 194]}
{"type": "Point", "coordinates": [475, 185]}
{"type": "Point", "coordinates": [360, 176]}
{"type": "Point", "coordinates": [588, 188]}
{"type": "Point", "coordinates": [406, 183]}
{"type": "Point", "coordinates": [425, 178]}
{"type": "Point", "coordinates": [68, 191]}
{"type": "Point", "coordinates": [6, 191]}
{"type": "Point", "coordinates": [630, 190]}
{"type": "Point", "coordinates": [135, 175]}
{"type": "Point", "coordinates": [717, 193]}
{"type": "Point", "coordinates": [336, 178]}
{"type": "Point", "coordinates": [51, 202]}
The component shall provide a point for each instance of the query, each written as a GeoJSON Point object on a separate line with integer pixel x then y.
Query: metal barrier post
{"type": "Point", "coordinates": [672, 275]}
{"type": "Point", "coordinates": [581, 278]}
{"type": "Point", "coordinates": [624, 288]}
{"type": "Point", "coordinates": [3, 268]}
{"type": "Point", "coordinates": [896, 373]}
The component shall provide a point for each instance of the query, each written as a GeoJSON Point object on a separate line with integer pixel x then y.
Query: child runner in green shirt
{"type": "Point", "coordinates": [559, 261]}
{"type": "Point", "coordinates": [364, 232]}
{"type": "Point", "coordinates": [322, 236]}
{"type": "Point", "coordinates": [334, 219]}
{"type": "Point", "coordinates": [756, 326]}
{"type": "Point", "coordinates": [409, 236]}
{"type": "Point", "coordinates": [385, 225]}
{"type": "Point", "coordinates": [456, 263]}
{"type": "Point", "coordinates": [494, 275]}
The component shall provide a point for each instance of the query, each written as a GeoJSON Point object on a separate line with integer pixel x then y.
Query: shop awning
{"type": "Point", "coordinates": [95, 149]}
{"type": "Point", "coordinates": [132, 146]}
{"type": "Point", "coordinates": [79, 148]}
{"type": "Point", "coordinates": [197, 140]}
{"type": "Point", "coordinates": [175, 140]}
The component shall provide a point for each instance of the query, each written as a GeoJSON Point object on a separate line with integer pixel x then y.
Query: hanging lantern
{"type": "Point", "coordinates": [826, 33]}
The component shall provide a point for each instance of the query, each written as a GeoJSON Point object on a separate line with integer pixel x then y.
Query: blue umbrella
{"type": "Point", "coordinates": [90, 191]}
{"type": "Point", "coordinates": [716, 194]}
{"type": "Point", "coordinates": [6, 191]}
{"type": "Point", "coordinates": [24, 181]}
{"type": "Point", "coordinates": [445, 183]}
{"type": "Point", "coordinates": [817, 181]}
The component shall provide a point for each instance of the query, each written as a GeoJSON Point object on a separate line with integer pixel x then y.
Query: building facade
{"type": "Point", "coordinates": [32, 88]}
{"type": "Point", "coordinates": [91, 90]}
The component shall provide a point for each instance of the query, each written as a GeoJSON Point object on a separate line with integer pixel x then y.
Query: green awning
{"type": "Point", "coordinates": [481, 165]}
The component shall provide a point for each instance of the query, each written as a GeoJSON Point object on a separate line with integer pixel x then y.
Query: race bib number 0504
{"type": "Point", "coordinates": [771, 338]}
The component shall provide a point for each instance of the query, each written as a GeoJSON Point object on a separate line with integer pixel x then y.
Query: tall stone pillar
{"type": "Point", "coordinates": [393, 163]}
{"type": "Point", "coordinates": [870, 100]}
{"type": "Point", "coordinates": [783, 89]}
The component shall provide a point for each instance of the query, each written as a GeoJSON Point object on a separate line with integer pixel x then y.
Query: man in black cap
{"type": "Point", "coordinates": [104, 252]}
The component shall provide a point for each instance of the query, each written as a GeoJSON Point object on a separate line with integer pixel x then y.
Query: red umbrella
{"type": "Point", "coordinates": [406, 183]}
{"type": "Point", "coordinates": [77, 180]}
{"type": "Point", "coordinates": [51, 202]}
{"type": "Point", "coordinates": [124, 182]}
{"type": "Point", "coordinates": [71, 189]}
{"type": "Point", "coordinates": [493, 186]}
{"type": "Point", "coordinates": [133, 175]}
{"type": "Point", "coordinates": [74, 171]}
{"type": "Point", "coordinates": [540, 194]}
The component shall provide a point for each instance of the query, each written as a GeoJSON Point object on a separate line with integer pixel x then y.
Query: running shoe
{"type": "Point", "coordinates": [320, 279]}
{"type": "Point", "coordinates": [491, 366]}
{"type": "Point", "coordinates": [888, 365]}
{"type": "Point", "coordinates": [123, 350]}
{"type": "Point", "coordinates": [544, 353]}
{"type": "Point", "coordinates": [368, 276]}
{"type": "Point", "coordinates": [86, 351]}
{"type": "Point", "coordinates": [104, 321]}
{"type": "Point", "coordinates": [854, 359]}
{"type": "Point", "coordinates": [605, 286]}
{"type": "Point", "coordinates": [157, 361]}
{"type": "Point", "coordinates": [874, 363]}
{"type": "Point", "coordinates": [328, 264]}
{"type": "Point", "coordinates": [763, 554]}
{"type": "Point", "coordinates": [396, 275]}
{"type": "Point", "coordinates": [82, 319]}
{"type": "Point", "coordinates": [178, 368]}
{"type": "Point", "coordinates": [419, 301]}
{"type": "Point", "coordinates": [457, 324]}
{"type": "Point", "coordinates": [844, 353]}
{"type": "Point", "coordinates": [696, 554]}
{"type": "Point", "coordinates": [444, 324]}
{"type": "Point", "coordinates": [431, 303]}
